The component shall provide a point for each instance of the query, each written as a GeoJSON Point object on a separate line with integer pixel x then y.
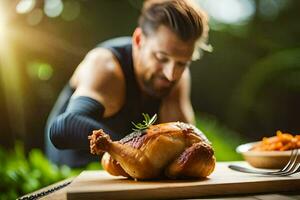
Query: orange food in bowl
{"type": "Point", "coordinates": [280, 142]}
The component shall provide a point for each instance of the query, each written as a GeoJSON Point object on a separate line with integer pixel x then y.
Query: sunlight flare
{"type": "Point", "coordinates": [10, 77]}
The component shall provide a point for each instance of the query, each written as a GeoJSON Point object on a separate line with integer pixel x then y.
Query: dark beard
{"type": "Point", "coordinates": [158, 93]}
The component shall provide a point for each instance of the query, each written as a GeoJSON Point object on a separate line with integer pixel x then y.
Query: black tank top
{"type": "Point", "coordinates": [136, 102]}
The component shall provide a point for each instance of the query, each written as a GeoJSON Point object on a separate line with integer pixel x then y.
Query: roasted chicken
{"type": "Point", "coordinates": [173, 150]}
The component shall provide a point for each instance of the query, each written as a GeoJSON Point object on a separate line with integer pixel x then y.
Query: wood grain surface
{"type": "Point", "coordinates": [223, 181]}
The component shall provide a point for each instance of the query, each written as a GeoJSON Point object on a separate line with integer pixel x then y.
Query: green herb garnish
{"type": "Point", "coordinates": [146, 122]}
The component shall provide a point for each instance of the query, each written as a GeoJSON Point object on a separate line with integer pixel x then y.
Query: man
{"type": "Point", "coordinates": [125, 77]}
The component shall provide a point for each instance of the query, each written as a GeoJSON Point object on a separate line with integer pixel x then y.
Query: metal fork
{"type": "Point", "coordinates": [290, 168]}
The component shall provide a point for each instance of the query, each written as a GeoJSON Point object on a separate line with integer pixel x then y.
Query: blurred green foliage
{"type": "Point", "coordinates": [223, 139]}
{"type": "Point", "coordinates": [250, 83]}
{"type": "Point", "coordinates": [265, 94]}
{"type": "Point", "coordinates": [21, 174]}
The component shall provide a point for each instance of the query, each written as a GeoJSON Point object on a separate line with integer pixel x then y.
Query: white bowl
{"type": "Point", "coordinates": [264, 159]}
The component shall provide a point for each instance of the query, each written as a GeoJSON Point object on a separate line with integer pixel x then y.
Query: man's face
{"type": "Point", "coordinates": [161, 58]}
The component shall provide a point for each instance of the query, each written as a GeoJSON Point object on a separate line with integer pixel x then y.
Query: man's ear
{"type": "Point", "coordinates": [137, 37]}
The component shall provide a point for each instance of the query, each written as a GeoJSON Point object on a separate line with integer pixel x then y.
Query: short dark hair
{"type": "Point", "coordinates": [187, 21]}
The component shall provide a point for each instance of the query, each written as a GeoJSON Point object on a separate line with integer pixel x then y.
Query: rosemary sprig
{"type": "Point", "coordinates": [146, 122]}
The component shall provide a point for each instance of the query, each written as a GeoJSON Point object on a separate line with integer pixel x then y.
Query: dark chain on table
{"type": "Point", "coordinates": [44, 193]}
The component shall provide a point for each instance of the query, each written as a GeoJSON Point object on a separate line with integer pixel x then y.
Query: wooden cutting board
{"type": "Point", "coordinates": [101, 185]}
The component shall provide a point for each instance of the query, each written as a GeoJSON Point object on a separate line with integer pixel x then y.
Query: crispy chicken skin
{"type": "Point", "coordinates": [173, 150]}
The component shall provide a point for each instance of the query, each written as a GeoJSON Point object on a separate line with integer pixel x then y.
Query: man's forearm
{"type": "Point", "coordinates": [70, 129]}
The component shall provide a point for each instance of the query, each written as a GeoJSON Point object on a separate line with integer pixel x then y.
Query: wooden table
{"type": "Point", "coordinates": [61, 194]}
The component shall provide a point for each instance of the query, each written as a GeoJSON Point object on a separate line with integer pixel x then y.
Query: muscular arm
{"type": "Point", "coordinates": [100, 77]}
{"type": "Point", "coordinates": [99, 93]}
{"type": "Point", "coordinates": [177, 105]}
